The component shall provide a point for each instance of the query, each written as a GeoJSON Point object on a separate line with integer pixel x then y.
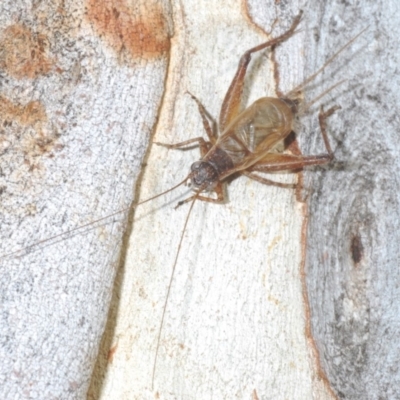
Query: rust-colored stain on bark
{"type": "Point", "coordinates": [23, 53]}
{"type": "Point", "coordinates": [139, 29]}
{"type": "Point", "coordinates": [31, 114]}
{"type": "Point", "coordinates": [24, 127]}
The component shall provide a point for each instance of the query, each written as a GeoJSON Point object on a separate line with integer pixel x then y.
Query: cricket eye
{"type": "Point", "coordinates": [195, 166]}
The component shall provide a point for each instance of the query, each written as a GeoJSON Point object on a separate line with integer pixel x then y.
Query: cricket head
{"type": "Point", "coordinates": [203, 175]}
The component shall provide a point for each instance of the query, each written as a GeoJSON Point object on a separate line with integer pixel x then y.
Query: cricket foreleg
{"type": "Point", "coordinates": [198, 141]}
{"type": "Point", "coordinates": [206, 118]}
{"type": "Point", "coordinates": [220, 199]}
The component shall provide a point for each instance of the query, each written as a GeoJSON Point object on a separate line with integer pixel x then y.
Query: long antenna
{"type": "Point", "coordinates": [310, 78]}
{"type": "Point", "coordinates": [40, 242]}
{"type": "Point", "coordinates": [169, 286]}
{"type": "Point", "coordinates": [165, 192]}
{"type": "Point", "coordinates": [306, 106]}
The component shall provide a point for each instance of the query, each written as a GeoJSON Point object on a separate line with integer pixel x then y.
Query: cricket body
{"type": "Point", "coordinates": [247, 143]}
{"type": "Point", "coordinates": [248, 138]}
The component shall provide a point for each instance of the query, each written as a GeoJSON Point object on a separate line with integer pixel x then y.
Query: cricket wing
{"type": "Point", "coordinates": [255, 132]}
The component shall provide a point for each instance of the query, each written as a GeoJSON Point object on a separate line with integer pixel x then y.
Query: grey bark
{"type": "Point", "coordinates": [353, 240]}
{"type": "Point", "coordinates": [77, 108]}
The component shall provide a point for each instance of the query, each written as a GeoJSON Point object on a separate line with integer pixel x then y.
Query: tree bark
{"type": "Point", "coordinates": [353, 250]}
{"type": "Point", "coordinates": [246, 317]}
{"type": "Point", "coordinates": [81, 84]}
{"type": "Point", "coordinates": [278, 293]}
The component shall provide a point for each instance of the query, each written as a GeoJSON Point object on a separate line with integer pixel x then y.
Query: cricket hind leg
{"type": "Point", "coordinates": [322, 117]}
{"type": "Point", "coordinates": [275, 162]}
{"type": "Point", "coordinates": [266, 181]}
{"type": "Point", "coordinates": [232, 102]}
